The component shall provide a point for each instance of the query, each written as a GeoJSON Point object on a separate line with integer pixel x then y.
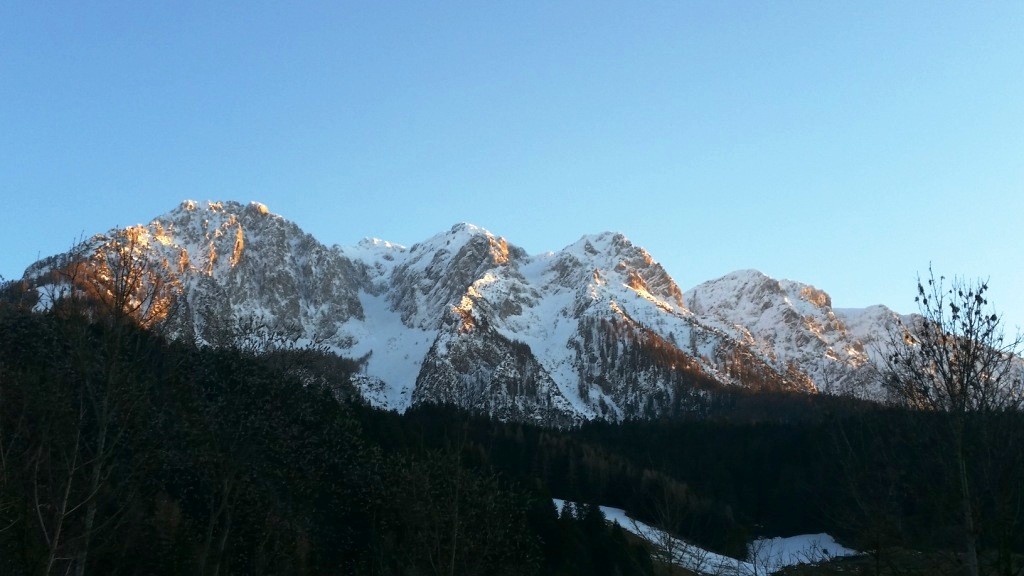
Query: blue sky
{"type": "Point", "coordinates": [843, 144]}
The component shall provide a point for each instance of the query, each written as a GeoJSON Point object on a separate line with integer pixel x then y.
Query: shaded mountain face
{"type": "Point", "coordinates": [596, 330]}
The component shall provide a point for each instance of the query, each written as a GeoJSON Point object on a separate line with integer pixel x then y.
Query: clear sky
{"type": "Point", "coordinates": [843, 144]}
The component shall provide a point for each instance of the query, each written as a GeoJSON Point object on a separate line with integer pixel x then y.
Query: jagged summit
{"type": "Point", "coordinates": [217, 210]}
{"type": "Point", "coordinates": [793, 324]}
{"type": "Point", "coordinates": [466, 228]}
{"type": "Point", "coordinates": [597, 329]}
{"type": "Point", "coordinates": [377, 243]}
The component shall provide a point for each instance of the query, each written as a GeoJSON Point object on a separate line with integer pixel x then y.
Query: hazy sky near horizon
{"type": "Point", "coordinates": [843, 144]}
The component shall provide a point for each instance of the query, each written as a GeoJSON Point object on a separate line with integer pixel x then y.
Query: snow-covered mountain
{"type": "Point", "coordinates": [794, 326]}
{"type": "Point", "coordinates": [595, 330]}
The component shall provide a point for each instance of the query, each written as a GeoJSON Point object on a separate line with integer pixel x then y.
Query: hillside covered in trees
{"type": "Point", "coordinates": [125, 453]}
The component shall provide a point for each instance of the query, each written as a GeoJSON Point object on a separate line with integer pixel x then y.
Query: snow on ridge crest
{"type": "Point", "coordinates": [561, 319]}
{"type": "Point", "coordinates": [612, 252]}
{"type": "Point", "coordinates": [378, 243]}
{"type": "Point", "coordinates": [459, 233]}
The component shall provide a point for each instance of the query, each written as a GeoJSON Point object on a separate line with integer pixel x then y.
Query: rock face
{"type": "Point", "coordinates": [595, 330]}
{"type": "Point", "coordinates": [795, 328]}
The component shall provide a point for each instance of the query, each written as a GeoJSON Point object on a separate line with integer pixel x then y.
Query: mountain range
{"type": "Point", "coordinates": [596, 330]}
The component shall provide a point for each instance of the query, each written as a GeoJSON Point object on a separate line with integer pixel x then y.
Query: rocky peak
{"type": "Point", "coordinates": [437, 273]}
{"type": "Point", "coordinates": [597, 329]}
{"type": "Point", "coordinates": [792, 323]}
{"type": "Point", "coordinates": [609, 255]}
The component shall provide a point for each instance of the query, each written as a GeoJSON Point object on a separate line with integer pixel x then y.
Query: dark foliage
{"type": "Point", "coordinates": [200, 461]}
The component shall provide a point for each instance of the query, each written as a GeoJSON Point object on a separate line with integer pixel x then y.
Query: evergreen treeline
{"type": "Point", "coordinates": [124, 453]}
{"type": "Point", "coordinates": [876, 478]}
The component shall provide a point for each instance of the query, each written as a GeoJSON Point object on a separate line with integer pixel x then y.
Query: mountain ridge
{"type": "Point", "coordinates": [598, 329]}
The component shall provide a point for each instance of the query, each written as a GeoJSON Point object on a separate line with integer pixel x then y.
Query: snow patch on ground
{"type": "Point", "coordinates": [766, 555]}
{"type": "Point", "coordinates": [770, 555]}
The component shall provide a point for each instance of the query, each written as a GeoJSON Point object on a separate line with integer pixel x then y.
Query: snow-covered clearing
{"type": "Point", "coordinates": [765, 555]}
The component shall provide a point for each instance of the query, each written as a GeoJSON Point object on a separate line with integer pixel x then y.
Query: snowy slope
{"type": "Point", "coordinates": [592, 314]}
{"type": "Point", "coordinates": [595, 330]}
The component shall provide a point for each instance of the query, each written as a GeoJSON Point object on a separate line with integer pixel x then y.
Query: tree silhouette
{"type": "Point", "coordinates": [954, 360]}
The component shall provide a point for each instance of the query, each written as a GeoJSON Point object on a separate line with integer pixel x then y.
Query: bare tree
{"type": "Point", "coordinates": [667, 508]}
{"type": "Point", "coordinates": [120, 275]}
{"type": "Point", "coordinates": [763, 557]}
{"type": "Point", "coordinates": [114, 281]}
{"type": "Point", "coordinates": [955, 360]}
